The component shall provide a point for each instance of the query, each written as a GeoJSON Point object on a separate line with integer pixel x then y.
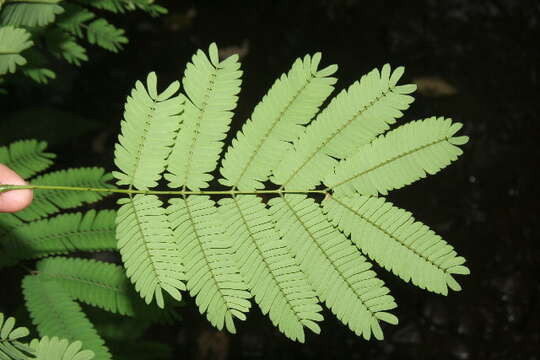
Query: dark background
{"type": "Point", "coordinates": [474, 61]}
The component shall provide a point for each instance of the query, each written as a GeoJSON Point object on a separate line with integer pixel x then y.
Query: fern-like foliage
{"type": "Point", "coordinates": [12, 346]}
{"type": "Point", "coordinates": [353, 118]}
{"type": "Point", "coordinates": [264, 234]}
{"type": "Point", "coordinates": [278, 285]}
{"type": "Point", "coordinates": [30, 12]}
{"type": "Point", "coordinates": [148, 250]}
{"type": "Point", "coordinates": [62, 234]}
{"type": "Point", "coordinates": [63, 26]}
{"type": "Point", "coordinates": [213, 277]}
{"type": "Point", "coordinates": [28, 234]}
{"type": "Point", "coordinates": [289, 252]}
{"type": "Point", "coordinates": [391, 237]}
{"type": "Point", "coordinates": [54, 348]}
{"type": "Point", "coordinates": [292, 102]}
{"type": "Point", "coordinates": [340, 275]}
{"type": "Point", "coordinates": [99, 284]}
{"type": "Point", "coordinates": [56, 314]}
{"type": "Point", "coordinates": [211, 87]}
{"type": "Point", "coordinates": [13, 41]}
{"type": "Point", "coordinates": [26, 157]}
{"type": "Point", "coordinates": [421, 147]}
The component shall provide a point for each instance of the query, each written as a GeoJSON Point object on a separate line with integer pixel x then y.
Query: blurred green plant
{"type": "Point", "coordinates": [31, 31]}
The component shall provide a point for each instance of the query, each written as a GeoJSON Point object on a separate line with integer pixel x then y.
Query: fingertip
{"type": "Point", "coordinates": [15, 200]}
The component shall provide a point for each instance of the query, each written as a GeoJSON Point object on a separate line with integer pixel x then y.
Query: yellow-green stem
{"type": "Point", "coordinates": [4, 188]}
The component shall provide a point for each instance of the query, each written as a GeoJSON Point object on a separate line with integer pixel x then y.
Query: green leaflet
{"type": "Point", "coordinates": [55, 349]}
{"type": "Point", "coordinates": [56, 314]}
{"type": "Point", "coordinates": [97, 283]}
{"type": "Point", "coordinates": [64, 45]}
{"type": "Point", "coordinates": [74, 19]}
{"type": "Point", "coordinates": [148, 130]}
{"type": "Point", "coordinates": [101, 33]}
{"type": "Point", "coordinates": [115, 6]}
{"type": "Point", "coordinates": [11, 346]}
{"type": "Point", "coordinates": [13, 41]}
{"type": "Point", "coordinates": [211, 87]}
{"type": "Point", "coordinates": [212, 276]}
{"type": "Point", "coordinates": [39, 75]}
{"type": "Point", "coordinates": [92, 231]}
{"type": "Point", "coordinates": [339, 273]}
{"type": "Point", "coordinates": [398, 158]}
{"type": "Point", "coordinates": [391, 237]}
{"type": "Point", "coordinates": [148, 250]}
{"type": "Point", "coordinates": [30, 12]}
{"type": "Point", "coordinates": [353, 118]}
{"type": "Point", "coordinates": [292, 102]}
{"type": "Point", "coordinates": [277, 283]}
{"type": "Point", "coordinates": [47, 202]}
{"type": "Point", "coordinates": [26, 157]}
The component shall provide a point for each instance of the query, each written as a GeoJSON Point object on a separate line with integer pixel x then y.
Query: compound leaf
{"type": "Point", "coordinates": [54, 313]}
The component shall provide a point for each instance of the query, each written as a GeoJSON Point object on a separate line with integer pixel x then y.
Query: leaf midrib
{"type": "Point", "coordinates": [391, 236]}
{"type": "Point", "coordinates": [386, 162]}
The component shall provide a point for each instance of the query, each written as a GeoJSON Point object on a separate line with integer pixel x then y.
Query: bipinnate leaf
{"type": "Point", "coordinates": [391, 236]}
{"type": "Point", "coordinates": [55, 314]}
{"type": "Point", "coordinates": [26, 157]}
{"type": "Point", "coordinates": [342, 277]}
{"type": "Point", "coordinates": [286, 252]}
{"type": "Point", "coordinates": [149, 252]}
{"type": "Point", "coordinates": [353, 118]}
{"type": "Point", "coordinates": [277, 283]}
{"type": "Point", "coordinates": [211, 87]}
{"type": "Point", "coordinates": [212, 276]}
{"type": "Point", "coordinates": [291, 103]}
{"type": "Point", "coordinates": [13, 41]}
{"type": "Point", "coordinates": [151, 120]}
{"type": "Point", "coordinates": [398, 158]}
